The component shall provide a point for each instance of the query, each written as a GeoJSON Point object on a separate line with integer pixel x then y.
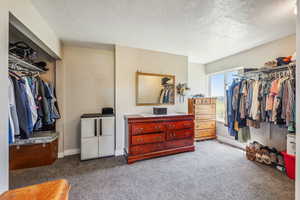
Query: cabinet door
{"type": "Point", "coordinates": [107, 126]}
{"type": "Point", "coordinates": [89, 127]}
{"type": "Point", "coordinates": [106, 145]}
{"type": "Point", "coordinates": [89, 148]}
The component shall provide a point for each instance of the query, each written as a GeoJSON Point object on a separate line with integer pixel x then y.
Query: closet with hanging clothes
{"type": "Point", "coordinates": [266, 95]}
{"type": "Point", "coordinates": [33, 108]}
{"type": "Point", "coordinates": [258, 98]}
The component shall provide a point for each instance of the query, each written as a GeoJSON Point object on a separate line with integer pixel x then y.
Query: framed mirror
{"type": "Point", "coordinates": [155, 89]}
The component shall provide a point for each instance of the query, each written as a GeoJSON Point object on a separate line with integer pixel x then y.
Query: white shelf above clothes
{"type": "Point", "coordinates": [268, 70]}
{"type": "Point", "coordinates": [24, 64]}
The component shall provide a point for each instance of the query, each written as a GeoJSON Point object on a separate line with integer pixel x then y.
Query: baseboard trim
{"type": "Point", "coordinates": [119, 152]}
{"type": "Point", "coordinates": [68, 152]}
{"type": "Point", "coordinates": [231, 142]}
{"type": "Point", "coordinates": [60, 154]}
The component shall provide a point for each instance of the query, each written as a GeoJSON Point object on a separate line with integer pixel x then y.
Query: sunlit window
{"type": "Point", "coordinates": [218, 84]}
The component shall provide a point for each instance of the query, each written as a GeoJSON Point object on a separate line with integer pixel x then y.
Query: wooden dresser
{"type": "Point", "coordinates": [153, 136]}
{"type": "Point", "coordinates": [204, 110]}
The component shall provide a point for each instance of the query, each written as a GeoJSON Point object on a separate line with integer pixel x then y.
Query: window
{"type": "Point", "coordinates": [218, 85]}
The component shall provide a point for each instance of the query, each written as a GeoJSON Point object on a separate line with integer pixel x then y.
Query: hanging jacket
{"type": "Point", "coordinates": [231, 113]}
{"type": "Point", "coordinates": [49, 94]}
{"type": "Point", "coordinates": [22, 108]}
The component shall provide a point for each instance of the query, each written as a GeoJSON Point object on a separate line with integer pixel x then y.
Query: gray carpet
{"type": "Point", "coordinates": [213, 172]}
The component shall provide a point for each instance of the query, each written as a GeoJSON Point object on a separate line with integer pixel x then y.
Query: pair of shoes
{"type": "Point", "coordinates": [252, 149]}
{"type": "Point", "coordinates": [250, 153]}
{"type": "Point", "coordinates": [266, 158]}
{"type": "Point", "coordinates": [262, 154]}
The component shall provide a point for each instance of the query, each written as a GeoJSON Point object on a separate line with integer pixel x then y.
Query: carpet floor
{"type": "Point", "coordinates": [213, 172]}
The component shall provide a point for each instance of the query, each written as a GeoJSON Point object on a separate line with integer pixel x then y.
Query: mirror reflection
{"type": "Point", "coordinates": [155, 89]}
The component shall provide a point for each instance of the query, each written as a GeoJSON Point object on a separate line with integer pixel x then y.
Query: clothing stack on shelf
{"type": "Point", "coordinates": [32, 104]}
{"type": "Point", "coordinates": [265, 98]}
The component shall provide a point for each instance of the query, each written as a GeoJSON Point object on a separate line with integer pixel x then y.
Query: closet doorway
{"type": "Point", "coordinates": [34, 110]}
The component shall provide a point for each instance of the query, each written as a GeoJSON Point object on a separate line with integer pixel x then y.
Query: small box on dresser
{"type": "Point", "coordinates": [149, 137]}
{"type": "Point", "coordinates": [204, 110]}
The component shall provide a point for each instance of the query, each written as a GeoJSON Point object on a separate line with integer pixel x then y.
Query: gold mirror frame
{"type": "Point", "coordinates": [152, 74]}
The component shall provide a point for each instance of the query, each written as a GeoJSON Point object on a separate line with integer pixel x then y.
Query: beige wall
{"type": "Point", "coordinates": [128, 61]}
{"type": "Point", "coordinates": [255, 57]}
{"type": "Point", "coordinates": [85, 84]}
{"type": "Point", "coordinates": [198, 79]}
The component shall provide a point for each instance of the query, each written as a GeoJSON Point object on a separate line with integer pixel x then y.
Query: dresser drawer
{"type": "Point", "coordinates": [180, 134]}
{"type": "Point", "coordinates": [205, 117]}
{"type": "Point", "coordinates": [205, 133]}
{"type": "Point", "coordinates": [179, 125]}
{"type": "Point", "coordinates": [149, 138]}
{"type": "Point", "coordinates": [204, 124]}
{"type": "Point", "coordinates": [146, 148]}
{"type": "Point", "coordinates": [142, 128]}
{"type": "Point", "coordinates": [179, 143]}
{"type": "Point", "coordinates": [205, 109]}
{"type": "Point", "coordinates": [205, 101]}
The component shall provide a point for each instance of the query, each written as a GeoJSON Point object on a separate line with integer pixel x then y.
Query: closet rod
{"type": "Point", "coordinates": [24, 64]}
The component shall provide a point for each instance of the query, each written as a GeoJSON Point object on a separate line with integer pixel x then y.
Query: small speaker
{"type": "Point", "coordinates": [107, 111]}
{"type": "Point", "coordinates": [159, 111]}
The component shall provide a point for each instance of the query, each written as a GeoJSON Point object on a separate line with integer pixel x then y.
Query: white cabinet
{"type": "Point", "coordinates": [106, 146]}
{"type": "Point", "coordinates": [89, 148]}
{"type": "Point", "coordinates": [97, 136]}
{"type": "Point", "coordinates": [89, 127]}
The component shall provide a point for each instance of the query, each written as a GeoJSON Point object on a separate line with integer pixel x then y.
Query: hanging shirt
{"type": "Point", "coordinates": [273, 92]}
{"type": "Point", "coordinates": [276, 111]}
{"type": "Point", "coordinates": [31, 102]}
{"type": "Point", "coordinates": [11, 137]}
{"type": "Point", "coordinates": [249, 97]}
{"type": "Point", "coordinates": [243, 100]}
{"type": "Point", "coordinates": [255, 107]}
{"type": "Point", "coordinates": [13, 115]}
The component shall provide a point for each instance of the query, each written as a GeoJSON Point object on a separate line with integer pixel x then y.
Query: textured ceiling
{"type": "Point", "coordinates": [204, 30]}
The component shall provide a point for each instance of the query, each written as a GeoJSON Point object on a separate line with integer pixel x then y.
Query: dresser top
{"type": "Point", "coordinates": [96, 115]}
{"type": "Point", "coordinates": [148, 115]}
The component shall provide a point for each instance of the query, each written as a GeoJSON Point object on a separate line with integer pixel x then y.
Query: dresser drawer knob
{"type": "Point", "coordinates": [140, 140]}
{"type": "Point", "coordinates": [171, 125]}
{"type": "Point", "coordinates": [140, 130]}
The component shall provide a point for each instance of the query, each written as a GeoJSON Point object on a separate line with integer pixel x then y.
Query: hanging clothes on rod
{"type": "Point", "coordinates": [32, 103]}
{"type": "Point", "coordinates": [166, 94]}
{"type": "Point", "coordinates": [267, 96]}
